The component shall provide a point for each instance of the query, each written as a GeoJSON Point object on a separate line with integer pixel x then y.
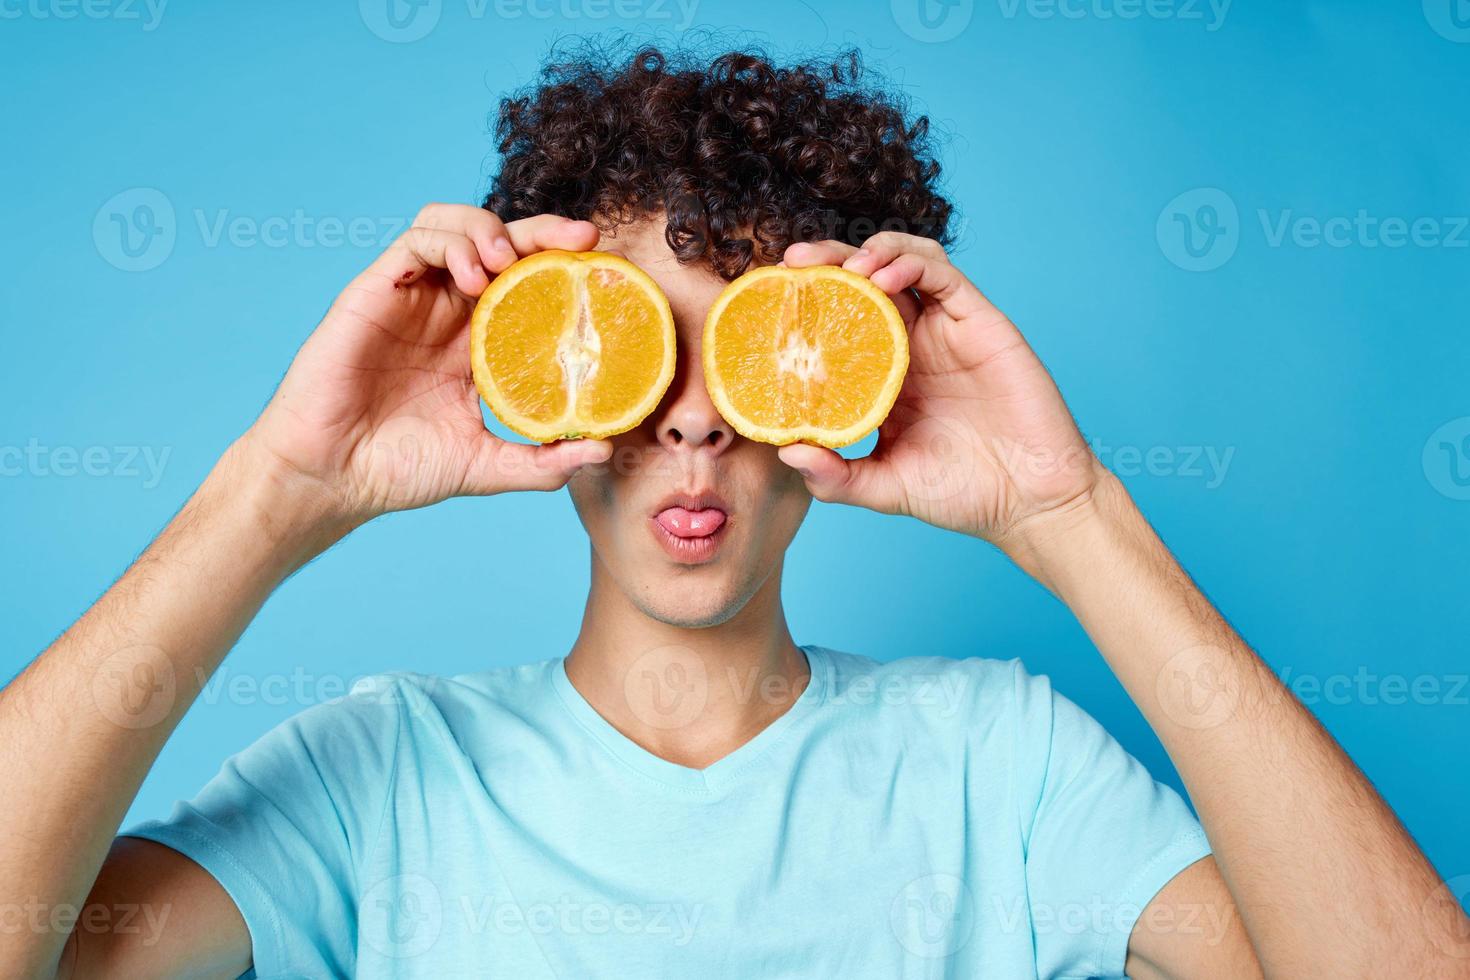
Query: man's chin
{"type": "Point", "coordinates": [691, 605]}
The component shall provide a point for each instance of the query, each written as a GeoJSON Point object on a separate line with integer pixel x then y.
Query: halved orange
{"type": "Point", "coordinates": [568, 345]}
{"type": "Point", "coordinates": [804, 355]}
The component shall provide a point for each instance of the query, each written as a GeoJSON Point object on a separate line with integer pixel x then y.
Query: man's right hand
{"type": "Point", "coordinates": [379, 411]}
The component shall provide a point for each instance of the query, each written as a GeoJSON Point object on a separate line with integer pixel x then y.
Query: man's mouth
{"type": "Point", "coordinates": [688, 527]}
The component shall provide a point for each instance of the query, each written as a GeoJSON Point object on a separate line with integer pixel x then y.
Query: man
{"type": "Point", "coordinates": [689, 792]}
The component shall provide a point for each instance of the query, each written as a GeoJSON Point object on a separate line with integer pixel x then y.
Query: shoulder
{"type": "Point", "coordinates": [418, 697]}
{"type": "Point", "coordinates": [379, 706]}
{"type": "Point", "coordinates": [977, 695]}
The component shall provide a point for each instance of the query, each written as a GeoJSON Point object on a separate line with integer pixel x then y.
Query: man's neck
{"type": "Point", "coordinates": [687, 695]}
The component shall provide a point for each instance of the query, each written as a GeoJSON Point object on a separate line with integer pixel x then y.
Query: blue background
{"type": "Point", "coordinates": [1336, 539]}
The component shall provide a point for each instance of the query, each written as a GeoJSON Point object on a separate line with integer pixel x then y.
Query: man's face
{"type": "Point", "coordinates": [688, 518]}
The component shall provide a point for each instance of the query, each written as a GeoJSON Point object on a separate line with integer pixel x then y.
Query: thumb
{"type": "Point", "coordinates": [833, 479]}
{"type": "Point", "coordinates": [502, 466]}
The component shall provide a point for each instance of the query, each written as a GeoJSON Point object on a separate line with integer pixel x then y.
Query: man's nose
{"type": "Point", "coordinates": [686, 419]}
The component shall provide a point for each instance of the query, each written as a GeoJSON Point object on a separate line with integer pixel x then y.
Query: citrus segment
{"type": "Point", "coordinates": [804, 355]}
{"type": "Point", "coordinates": [572, 344]}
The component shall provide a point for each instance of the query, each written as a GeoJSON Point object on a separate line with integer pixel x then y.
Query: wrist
{"type": "Point", "coordinates": [1077, 535]}
{"type": "Point", "coordinates": [292, 517]}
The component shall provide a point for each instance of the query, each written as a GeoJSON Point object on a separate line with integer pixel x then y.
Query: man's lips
{"type": "Point", "coordinates": [687, 522]}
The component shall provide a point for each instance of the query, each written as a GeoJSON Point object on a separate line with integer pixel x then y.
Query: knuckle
{"type": "Point", "coordinates": [888, 239]}
{"type": "Point", "coordinates": [486, 226]}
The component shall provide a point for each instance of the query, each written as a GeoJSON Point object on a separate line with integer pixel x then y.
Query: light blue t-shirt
{"type": "Point", "coordinates": [921, 818]}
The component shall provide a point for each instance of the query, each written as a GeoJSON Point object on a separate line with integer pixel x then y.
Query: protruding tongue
{"type": "Point", "coordinates": [683, 523]}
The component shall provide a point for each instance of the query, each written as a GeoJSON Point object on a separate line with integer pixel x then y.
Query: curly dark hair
{"type": "Point", "coordinates": [740, 154]}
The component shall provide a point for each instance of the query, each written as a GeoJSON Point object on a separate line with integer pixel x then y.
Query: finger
{"type": "Point", "coordinates": [544, 231]}
{"type": "Point", "coordinates": [482, 227]}
{"type": "Point", "coordinates": [499, 243]}
{"type": "Point", "coordinates": [420, 249]}
{"type": "Point", "coordinates": [833, 479]}
{"type": "Point", "coordinates": [502, 466]}
{"type": "Point", "coordinates": [891, 243]}
{"type": "Point", "coordinates": [801, 255]}
{"type": "Point", "coordinates": [923, 265]}
{"type": "Point", "coordinates": [462, 260]}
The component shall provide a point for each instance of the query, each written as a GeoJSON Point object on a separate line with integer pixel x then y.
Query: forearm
{"type": "Point", "coordinates": [1326, 879]}
{"type": "Point", "coordinates": [82, 725]}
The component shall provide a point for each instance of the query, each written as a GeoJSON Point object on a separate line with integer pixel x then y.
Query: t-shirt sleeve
{"type": "Point", "coordinates": [1101, 836]}
{"type": "Point", "coordinates": [286, 823]}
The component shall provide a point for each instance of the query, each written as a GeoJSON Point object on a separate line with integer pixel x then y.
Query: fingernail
{"type": "Point", "coordinates": [861, 253]}
{"type": "Point", "coordinates": [502, 245]}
